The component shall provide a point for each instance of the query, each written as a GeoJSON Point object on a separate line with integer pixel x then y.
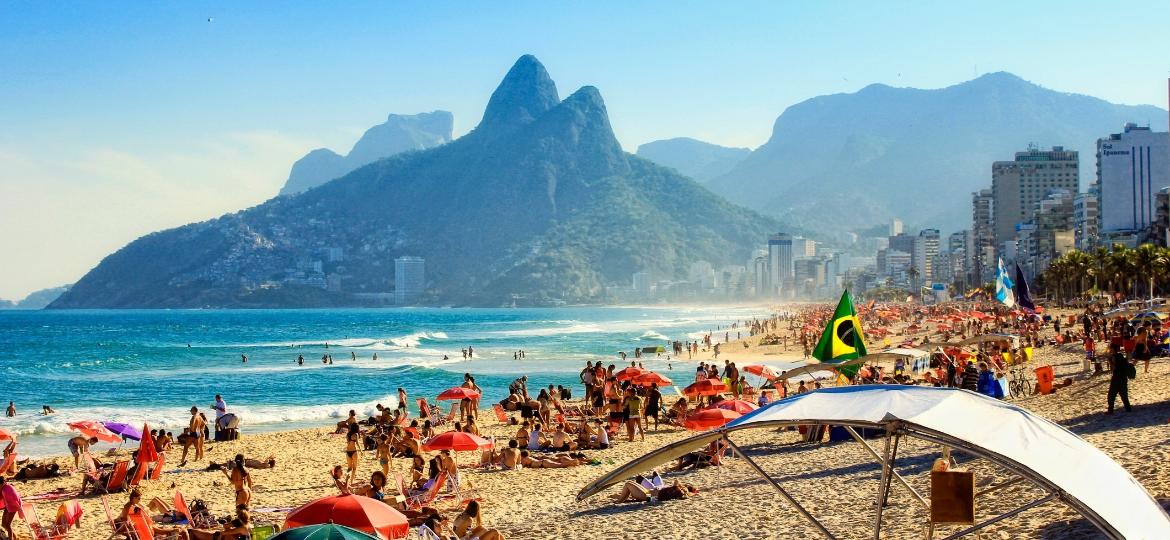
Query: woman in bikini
{"type": "Point", "coordinates": [469, 525]}
{"type": "Point", "coordinates": [383, 453]}
{"type": "Point", "coordinates": [239, 528]}
{"type": "Point", "coordinates": [352, 442]}
{"type": "Point", "coordinates": [242, 480]}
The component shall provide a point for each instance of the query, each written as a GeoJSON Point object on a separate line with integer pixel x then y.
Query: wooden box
{"type": "Point", "coordinates": [952, 497]}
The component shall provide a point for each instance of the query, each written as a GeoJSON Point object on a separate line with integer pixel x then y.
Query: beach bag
{"type": "Point", "coordinates": [1130, 370]}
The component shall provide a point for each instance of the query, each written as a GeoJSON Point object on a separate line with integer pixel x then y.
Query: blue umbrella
{"type": "Point", "coordinates": [127, 431]}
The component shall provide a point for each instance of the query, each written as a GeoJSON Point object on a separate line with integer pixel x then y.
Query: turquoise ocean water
{"type": "Point", "coordinates": [136, 366]}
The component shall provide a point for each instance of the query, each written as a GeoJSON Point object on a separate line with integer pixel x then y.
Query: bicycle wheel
{"type": "Point", "coordinates": [1030, 386]}
{"type": "Point", "coordinates": [1014, 388]}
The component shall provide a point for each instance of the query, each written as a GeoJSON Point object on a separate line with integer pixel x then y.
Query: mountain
{"type": "Point", "coordinates": [36, 300]}
{"type": "Point", "coordinates": [696, 159]}
{"type": "Point", "coordinates": [400, 133]}
{"type": "Point", "coordinates": [852, 160]}
{"type": "Point", "coordinates": [537, 204]}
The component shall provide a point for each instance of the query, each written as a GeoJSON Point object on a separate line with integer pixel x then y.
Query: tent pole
{"type": "Point", "coordinates": [1003, 516]}
{"type": "Point", "coordinates": [901, 480]}
{"type": "Point", "coordinates": [891, 451]}
{"type": "Point", "coordinates": [820, 527]}
{"type": "Point", "coordinates": [999, 486]}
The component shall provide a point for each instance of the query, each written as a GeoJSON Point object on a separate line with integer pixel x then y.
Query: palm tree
{"type": "Point", "coordinates": [1080, 266]}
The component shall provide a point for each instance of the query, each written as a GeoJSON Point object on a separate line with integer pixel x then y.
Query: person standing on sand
{"type": "Point", "coordinates": [11, 503]}
{"type": "Point", "coordinates": [1123, 371]}
{"type": "Point", "coordinates": [196, 427]}
{"type": "Point", "coordinates": [78, 446]}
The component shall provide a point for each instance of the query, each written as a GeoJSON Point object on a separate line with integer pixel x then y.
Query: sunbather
{"type": "Point", "coordinates": [134, 506]}
{"type": "Point", "coordinates": [469, 524]}
{"type": "Point", "coordinates": [37, 471]}
{"type": "Point", "coordinates": [239, 528]}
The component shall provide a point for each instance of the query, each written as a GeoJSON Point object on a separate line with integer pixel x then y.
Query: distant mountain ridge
{"type": "Point", "coordinates": [37, 299]}
{"type": "Point", "coordinates": [538, 204]}
{"type": "Point", "coordinates": [400, 133]}
{"type": "Point", "coordinates": [697, 159]}
{"type": "Point", "coordinates": [851, 160]}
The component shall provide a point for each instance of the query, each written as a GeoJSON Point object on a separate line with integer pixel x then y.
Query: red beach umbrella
{"type": "Point", "coordinates": [761, 370]}
{"type": "Point", "coordinates": [6, 435]}
{"type": "Point", "coordinates": [629, 373]}
{"type": "Point", "coordinates": [457, 441]}
{"type": "Point", "coordinates": [457, 393]}
{"type": "Point", "coordinates": [705, 387]}
{"type": "Point", "coordinates": [361, 513]}
{"type": "Point", "coordinates": [709, 418]}
{"type": "Point", "coordinates": [738, 405]}
{"type": "Point", "coordinates": [147, 453]}
{"type": "Point", "coordinates": [648, 378]}
{"type": "Point", "coordinates": [91, 428]}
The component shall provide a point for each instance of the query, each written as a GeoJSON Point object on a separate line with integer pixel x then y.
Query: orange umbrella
{"type": "Point", "coordinates": [457, 393]}
{"type": "Point", "coordinates": [90, 428]}
{"type": "Point", "coordinates": [705, 387]}
{"type": "Point", "coordinates": [629, 373]}
{"type": "Point", "coordinates": [6, 435]}
{"type": "Point", "coordinates": [361, 513]}
{"type": "Point", "coordinates": [738, 405]}
{"type": "Point", "coordinates": [709, 418]}
{"type": "Point", "coordinates": [761, 370]}
{"type": "Point", "coordinates": [648, 378]}
{"type": "Point", "coordinates": [458, 441]}
{"type": "Point", "coordinates": [147, 453]}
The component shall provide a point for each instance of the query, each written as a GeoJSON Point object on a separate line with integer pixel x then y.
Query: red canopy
{"type": "Point", "coordinates": [761, 370]}
{"type": "Point", "coordinates": [629, 373]}
{"type": "Point", "coordinates": [705, 387]}
{"type": "Point", "coordinates": [361, 513]}
{"type": "Point", "coordinates": [648, 378]}
{"type": "Point", "coordinates": [147, 453]}
{"type": "Point", "coordinates": [457, 441]}
{"type": "Point", "coordinates": [91, 428]}
{"type": "Point", "coordinates": [738, 405]}
{"type": "Point", "coordinates": [6, 435]}
{"type": "Point", "coordinates": [458, 393]}
{"type": "Point", "coordinates": [709, 418]}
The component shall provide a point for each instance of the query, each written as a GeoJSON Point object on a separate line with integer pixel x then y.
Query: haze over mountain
{"type": "Point", "coordinates": [697, 159]}
{"type": "Point", "coordinates": [36, 300]}
{"type": "Point", "coordinates": [852, 160]}
{"type": "Point", "coordinates": [400, 133]}
{"type": "Point", "coordinates": [538, 202]}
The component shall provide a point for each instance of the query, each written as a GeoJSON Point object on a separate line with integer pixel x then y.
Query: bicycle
{"type": "Point", "coordinates": [1020, 384]}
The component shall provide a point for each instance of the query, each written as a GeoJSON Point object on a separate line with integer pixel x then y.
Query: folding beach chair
{"type": "Point", "coordinates": [501, 415]}
{"type": "Point", "coordinates": [264, 532]}
{"type": "Point", "coordinates": [416, 502]}
{"type": "Point", "coordinates": [118, 530]}
{"type": "Point", "coordinates": [454, 411]}
{"type": "Point", "coordinates": [139, 474]}
{"type": "Point", "coordinates": [156, 472]}
{"type": "Point", "coordinates": [116, 482]}
{"type": "Point", "coordinates": [52, 531]}
{"type": "Point", "coordinates": [425, 533]}
{"type": "Point", "coordinates": [199, 522]}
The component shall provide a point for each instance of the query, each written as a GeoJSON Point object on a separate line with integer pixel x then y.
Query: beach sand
{"type": "Point", "coordinates": [837, 482]}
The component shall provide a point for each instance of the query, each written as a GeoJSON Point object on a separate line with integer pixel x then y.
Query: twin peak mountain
{"type": "Point", "coordinates": [537, 205]}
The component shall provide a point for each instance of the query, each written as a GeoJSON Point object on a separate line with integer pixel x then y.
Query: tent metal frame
{"type": "Point", "coordinates": [895, 430]}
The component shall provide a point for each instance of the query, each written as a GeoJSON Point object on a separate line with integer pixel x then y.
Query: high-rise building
{"type": "Point", "coordinates": [760, 267]}
{"type": "Point", "coordinates": [1017, 186]}
{"type": "Point", "coordinates": [925, 252]}
{"type": "Point", "coordinates": [1085, 218]}
{"type": "Point", "coordinates": [982, 250]}
{"type": "Point", "coordinates": [780, 257]}
{"type": "Point", "coordinates": [1131, 167]}
{"type": "Point", "coordinates": [409, 279]}
{"type": "Point", "coordinates": [1052, 234]}
{"type": "Point", "coordinates": [895, 227]}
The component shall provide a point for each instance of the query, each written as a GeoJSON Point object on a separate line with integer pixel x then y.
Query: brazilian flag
{"type": "Point", "coordinates": [842, 339]}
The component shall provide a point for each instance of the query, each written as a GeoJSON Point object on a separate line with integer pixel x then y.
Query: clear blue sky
{"type": "Point", "coordinates": [117, 119]}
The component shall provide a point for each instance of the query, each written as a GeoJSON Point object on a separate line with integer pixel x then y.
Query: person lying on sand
{"type": "Point", "coordinates": [36, 471]}
{"type": "Point", "coordinates": [712, 455]}
{"type": "Point", "coordinates": [507, 458]}
{"type": "Point", "coordinates": [634, 490]}
{"type": "Point", "coordinates": [558, 461]}
{"type": "Point", "coordinates": [134, 506]}
{"type": "Point", "coordinates": [266, 463]}
{"type": "Point", "coordinates": [239, 528]}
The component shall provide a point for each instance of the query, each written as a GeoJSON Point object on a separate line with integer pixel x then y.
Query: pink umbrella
{"type": "Point", "coordinates": [90, 428]}
{"type": "Point", "coordinates": [629, 373]}
{"type": "Point", "coordinates": [762, 371]}
{"type": "Point", "coordinates": [457, 441]}
{"type": "Point", "coordinates": [457, 393]}
{"type": "Point", "coordinates": [738, 405]}
{"type": "Point", "coordinates": [709, 418]}
{"type": "Point", "coordinates": [705, 387]}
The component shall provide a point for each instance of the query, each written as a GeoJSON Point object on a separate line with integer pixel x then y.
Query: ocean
{"type": "Point", "coordinates": [138, 366]}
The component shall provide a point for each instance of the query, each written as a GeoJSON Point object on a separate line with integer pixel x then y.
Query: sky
{"type": "Point", "coordinates": [120, 119]}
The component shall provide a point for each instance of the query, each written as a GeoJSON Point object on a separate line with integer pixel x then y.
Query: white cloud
{"type": "Point", "coordinates": [63, 209]}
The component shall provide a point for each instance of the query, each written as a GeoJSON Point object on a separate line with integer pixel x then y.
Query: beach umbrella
{"type": "Point", "coordinates": [125, 430]}
{"type": "Point", "coordinates": [90, 428]}
{"type": "Point", "coordinates": [457, 393]}
{"type": "Point", "coordinates": [147, 453]}
{"type": "Point", "coordinates": [761, 370]}
{"type": "Point", "coordinates": [648, 378]}
{"type": "Point", "coordinates": [705, 387]}
{"type": "Point", "coordinates": [709, 418]}
{"type": "Point", "coordinates": [361, 513]}
{"type": "Point", "coordinates": [326, 531]}
{"type": "Point", "coordinates": [629, 373]}
{"type": "Point", "coordinates": [458, 441]}
{"type": "Point", "coordinates": [1149, 316]}
{"type": "Point", "coordinates": [738, 405]}
{"type": "Point", "coordinates": [6, 435]}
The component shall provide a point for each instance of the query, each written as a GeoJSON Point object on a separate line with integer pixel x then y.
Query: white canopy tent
{"type": "Point", "coordinates": [1067, 467]}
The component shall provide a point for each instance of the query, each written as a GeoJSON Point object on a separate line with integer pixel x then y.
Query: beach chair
{"type": "Point", "coordinates": [501, 415]}
{"type": "Point", "coordinates": [198, 522]}
{"type": "Point", "coordinates": [264, 532]}
{"type": "Point", "coordinates": [118, 530]}
{"type": "Point", "coordinates": [416, 502]}
{"type": "Point", "coordinates": [139, 475]}
{"type": "Point", "coordinates": [116, 482]}
{"type": "Point", "coordinates": [156, 473]}
{"type": "Point", "coordinates": [462, 492]}
{"type": "Point", "coordinates": [425, 533]}
{"type": "Point", "coordinates": [53, 531]}
{"type": "Point", "coordinates": [424, 410]}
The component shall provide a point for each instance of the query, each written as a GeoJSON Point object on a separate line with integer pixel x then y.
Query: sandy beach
{"type": "Point", "coordinates": [837, 481]}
